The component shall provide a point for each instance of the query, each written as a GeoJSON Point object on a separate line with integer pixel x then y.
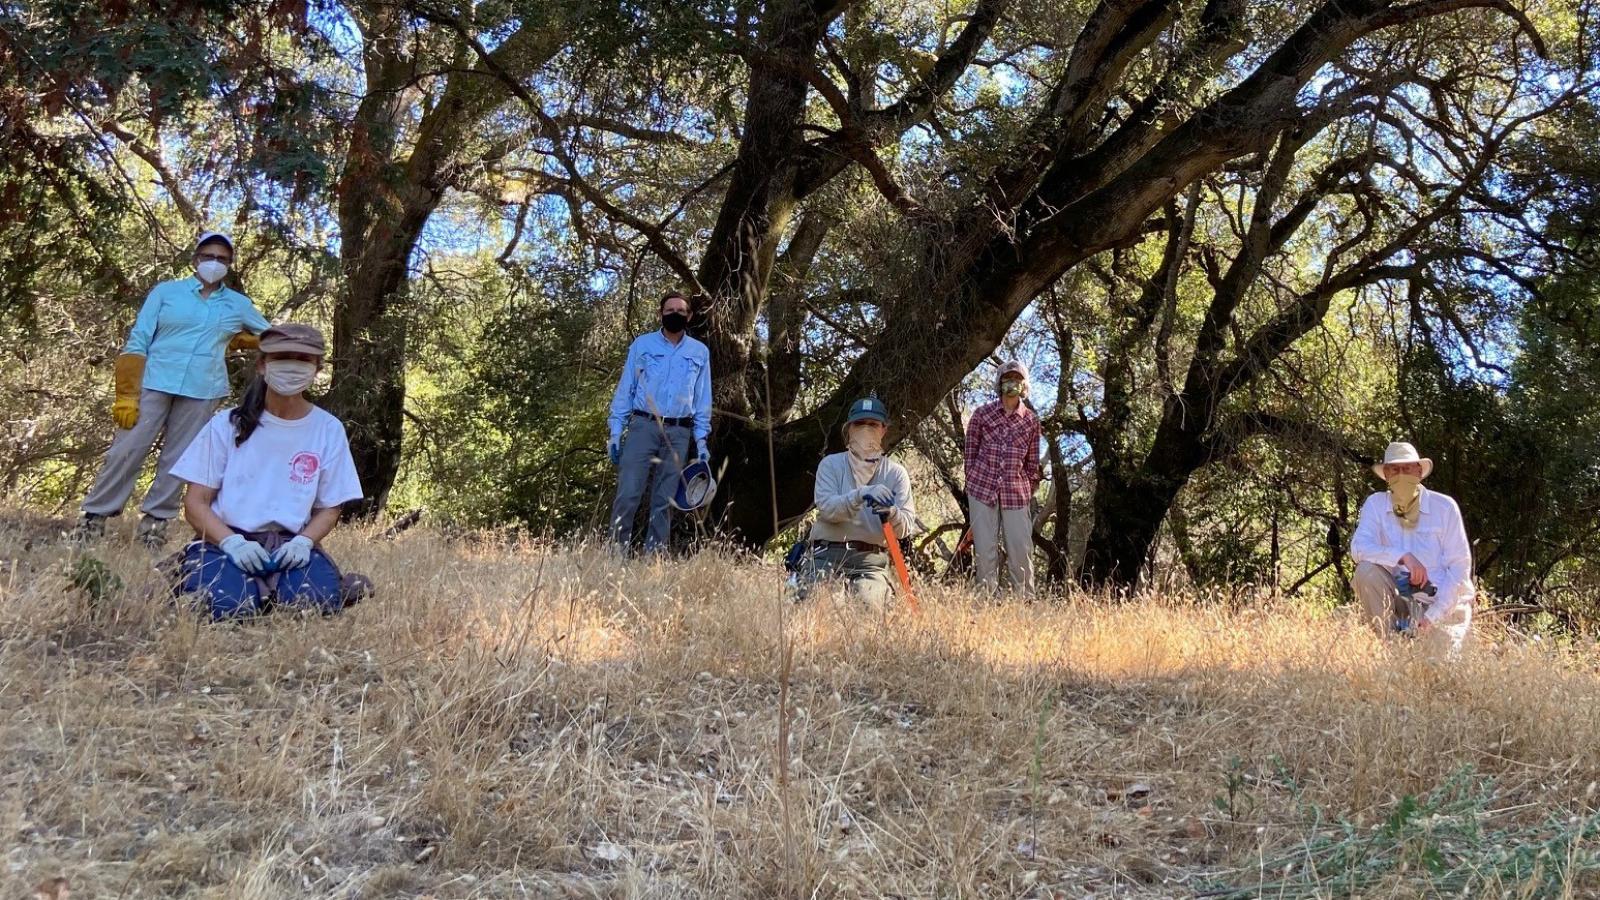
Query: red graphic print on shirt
{"type": "Point", "coordinates": [303, 468]}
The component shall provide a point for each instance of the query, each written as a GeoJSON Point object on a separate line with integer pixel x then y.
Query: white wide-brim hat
{"type": "Point", "coordinates": [1402, 452]}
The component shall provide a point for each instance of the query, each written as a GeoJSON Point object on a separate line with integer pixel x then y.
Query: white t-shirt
{"type": "Point", "coordinates": [285, 470]}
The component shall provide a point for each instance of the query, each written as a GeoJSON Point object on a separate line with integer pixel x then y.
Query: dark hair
{"type": "Point", "coordinates": [247, 415]}
{"type": "Point", "coordinates": [674, 295]}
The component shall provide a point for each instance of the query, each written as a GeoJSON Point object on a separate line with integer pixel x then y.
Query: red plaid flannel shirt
{"type": "Point", "coordinates": [1002, 455]}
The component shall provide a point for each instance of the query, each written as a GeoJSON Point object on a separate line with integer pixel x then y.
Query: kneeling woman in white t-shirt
{"type": "Point", "coordinates": [267, 480]}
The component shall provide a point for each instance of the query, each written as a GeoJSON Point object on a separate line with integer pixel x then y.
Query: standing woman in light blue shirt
{"type": "Point", "coordinates": [170, 377]}
{"type": "Point", "coordinates": [663, 400]}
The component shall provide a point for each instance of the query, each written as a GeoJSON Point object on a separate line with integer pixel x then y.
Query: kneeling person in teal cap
{"type": "Point", "coordinates": [857, 491]}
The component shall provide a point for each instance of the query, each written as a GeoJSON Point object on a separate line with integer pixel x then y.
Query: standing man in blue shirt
{"type": "Point", "coordinates": [663, 399]}
{"type": "Point", "coordinates": [169, 379]}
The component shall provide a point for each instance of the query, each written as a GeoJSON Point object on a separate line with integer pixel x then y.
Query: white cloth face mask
{"type": "Point", "coordinates": [289, 376]}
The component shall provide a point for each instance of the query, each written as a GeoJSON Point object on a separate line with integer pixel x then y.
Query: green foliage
{"type": "Point", "coordinates": [510, 423]}
{"type": "Point", "coordinates": [126, 127]}
{"type": "Point", "coordinates": [1236, 799]}
{"type": "Point", "coordinates": [1453, 841]}
{"type": "Point", "coordinates": [94, 578]}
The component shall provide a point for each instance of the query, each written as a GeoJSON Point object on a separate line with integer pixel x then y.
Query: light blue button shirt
{"type": "Point", "coordinates": [665, 379]}
{"type": "Point", "coordinates": [184, 336]}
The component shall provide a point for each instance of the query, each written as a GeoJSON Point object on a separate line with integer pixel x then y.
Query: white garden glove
{"type": "Point", "coordinates": [295, 554]}
{"type": "Point", "coordinates": [245, 553]}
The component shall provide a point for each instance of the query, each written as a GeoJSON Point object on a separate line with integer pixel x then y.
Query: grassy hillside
{"type": "Point", "coordinates": [535, 721]}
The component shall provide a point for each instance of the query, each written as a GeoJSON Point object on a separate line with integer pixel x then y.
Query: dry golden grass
{"type": "Point", "coordinates": [535, 721]}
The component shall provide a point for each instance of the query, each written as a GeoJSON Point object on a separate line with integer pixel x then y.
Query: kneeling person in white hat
{"type": "Point", "coordinates": [1418, 532]}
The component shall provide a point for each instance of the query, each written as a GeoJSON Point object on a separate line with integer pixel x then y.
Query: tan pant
{"type": "Point", "coordinates": [989, 524]}
{"type": "Point", "coordinates": [1382, 605]}
{"type": "Point", "coordinates": [175, 421]}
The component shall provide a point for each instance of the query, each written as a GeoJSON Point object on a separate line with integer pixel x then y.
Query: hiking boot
{"type": "Point", "coordinates": [91, 527]}
{"type": "Point", "coordinates": [153, 532]}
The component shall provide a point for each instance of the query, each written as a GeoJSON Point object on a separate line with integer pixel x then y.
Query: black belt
{"type": "Point", "coordinates": [685, 422]}
{"type": "Point", "coordinates": [861, 546]}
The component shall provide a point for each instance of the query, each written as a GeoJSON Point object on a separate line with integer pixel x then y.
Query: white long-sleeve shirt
{"type": "Point", "coordinates": [1439, 541]}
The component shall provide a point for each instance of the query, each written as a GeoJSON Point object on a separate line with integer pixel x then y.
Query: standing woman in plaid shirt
{"type": "Point", "coordinates": [1002, 467]}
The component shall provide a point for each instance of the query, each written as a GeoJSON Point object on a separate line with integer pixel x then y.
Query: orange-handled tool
{"type": "Point", "coordinates": [893, 543]}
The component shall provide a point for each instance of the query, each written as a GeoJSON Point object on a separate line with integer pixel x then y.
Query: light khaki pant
{"type": "Point", "coordinates": [1382, 605]}
{"type": "Point", "coordinates": [989, 525]}
{"type": "Point", "coordinates": [172, 419]}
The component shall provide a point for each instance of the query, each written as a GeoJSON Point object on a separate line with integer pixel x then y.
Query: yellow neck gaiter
{"type": "Point", "coordinates": [1405, 498]}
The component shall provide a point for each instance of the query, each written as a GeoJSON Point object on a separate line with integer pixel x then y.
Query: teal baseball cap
{"type": "Point", "coordinates": [868, 408]}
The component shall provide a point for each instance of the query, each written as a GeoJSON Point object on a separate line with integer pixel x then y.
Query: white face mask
{"type": "Point", "coordinates": [211, 271]}
{"type": "Point", "coordinates": [288, 377]}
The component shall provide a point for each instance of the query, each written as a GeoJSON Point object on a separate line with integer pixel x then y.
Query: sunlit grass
{"type": "Point", "coordinates": [538, 720]}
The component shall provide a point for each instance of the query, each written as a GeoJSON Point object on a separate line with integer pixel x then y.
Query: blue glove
{"type": "Point", "coordinates": [876, 494]}
{"type": "Point", "coordinates": [614, 451]}
{"type": "Point", "coordinates": [705, 457]}
{"type": "Point", "coordinates": [293, 555]}
{"type": "Point", "coordinates": [248, 555]}
{"type": "Point", "coordinates": [883, 510]}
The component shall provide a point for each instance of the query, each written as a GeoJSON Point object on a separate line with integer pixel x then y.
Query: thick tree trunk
{"type": "Point", "coordinates": [746, 514]}
{"type": "Point", "coordinates": [1127, 517]}
{"type": "Point", "coordinates": [369, 391]}
{"type": "Point", "coordinates": [369, 328]}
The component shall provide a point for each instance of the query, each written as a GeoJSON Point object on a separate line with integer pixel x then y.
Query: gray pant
{"type": "Point", "coordinates": [989, 525]}
{"type": "Point", "coordinates": [648, 445]}
{"type": "Point", "coordinates": [175, 421]}
{"type": "Point", "coordinates": [866, 574]}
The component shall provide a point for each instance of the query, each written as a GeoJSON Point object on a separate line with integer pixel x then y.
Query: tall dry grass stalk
{"type": "Point", "coordinates": [537, 720]}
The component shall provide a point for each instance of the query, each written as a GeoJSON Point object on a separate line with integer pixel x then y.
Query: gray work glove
{"type": "Point", "coordinates": [248, 555]}
{"type": "Point", "coordinates": [295, 554]}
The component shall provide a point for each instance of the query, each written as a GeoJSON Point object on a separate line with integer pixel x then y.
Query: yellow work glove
{"type": "Point", "coordinates": [242, 341]}
{"type": "Point", "coordinates": [130, 381]}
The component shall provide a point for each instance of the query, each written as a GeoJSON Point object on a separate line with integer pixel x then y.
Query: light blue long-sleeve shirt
{"type": "Point", "coordinates": [183, 337]}
{"type": "Point", "coordinates": [669, 380]}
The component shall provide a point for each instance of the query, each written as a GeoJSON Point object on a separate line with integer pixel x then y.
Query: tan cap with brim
{"type": "Point", "coordinates": [293, 337]}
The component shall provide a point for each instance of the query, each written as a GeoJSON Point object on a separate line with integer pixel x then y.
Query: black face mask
{"type": "Point", "coordinates": [673, 323]}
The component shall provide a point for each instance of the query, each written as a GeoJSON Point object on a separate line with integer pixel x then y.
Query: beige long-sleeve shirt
{"type": "Point", "coordinates": [841, 513]}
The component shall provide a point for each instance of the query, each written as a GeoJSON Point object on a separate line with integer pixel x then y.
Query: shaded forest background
{"type": "Point", "coordinates": [1241, 245]}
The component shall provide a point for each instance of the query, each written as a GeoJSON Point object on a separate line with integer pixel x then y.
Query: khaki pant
{"type": "Point", "coordinates": [989, 525]}
{"type": "Point", "coordinates": [175, 421]}
{"type": "Point", "coordinates": [1382, 606]}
